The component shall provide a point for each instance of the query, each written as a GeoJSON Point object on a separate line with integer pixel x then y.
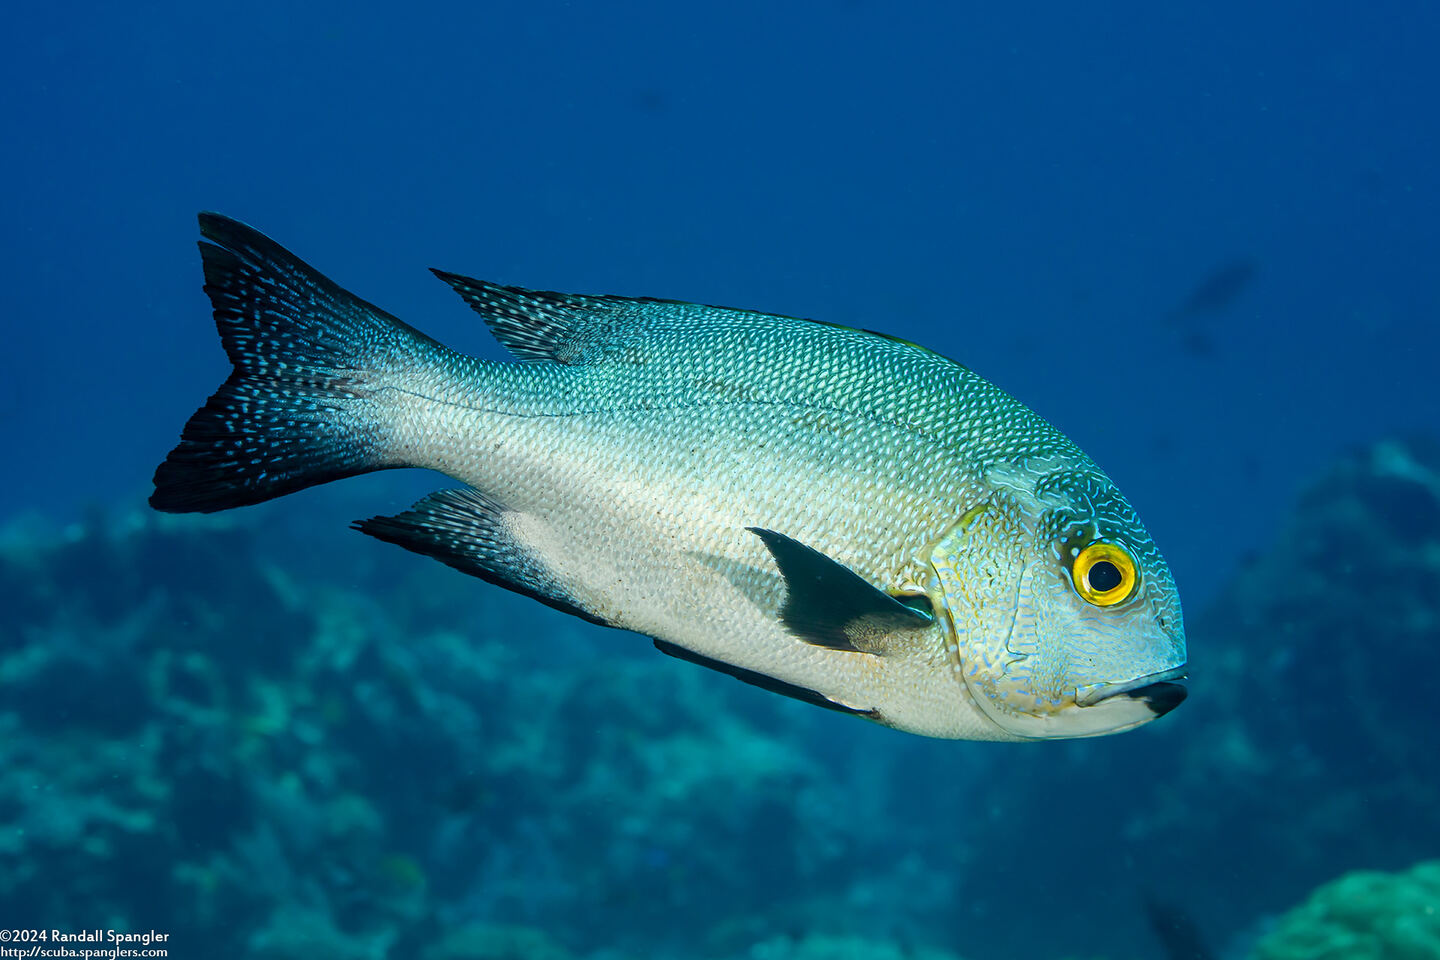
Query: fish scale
{"type": "Point", "coordinates": [833, 514]}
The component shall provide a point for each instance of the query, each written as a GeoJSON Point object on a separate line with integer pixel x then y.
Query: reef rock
{"type": "Point", "coordinates": [1365, 915]}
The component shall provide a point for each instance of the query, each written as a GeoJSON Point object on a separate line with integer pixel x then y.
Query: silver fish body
{"type": "Point", "coordinates": [830, 513]}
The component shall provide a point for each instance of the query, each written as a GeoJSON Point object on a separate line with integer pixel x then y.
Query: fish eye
{"type": "Point", "coordinates": [1104, 573]}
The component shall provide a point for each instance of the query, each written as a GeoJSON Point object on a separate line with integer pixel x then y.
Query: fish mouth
{"type": "Point", "coordinates": [1154, 689]}
{"type": "Point", "coordinates": [1095, 711]}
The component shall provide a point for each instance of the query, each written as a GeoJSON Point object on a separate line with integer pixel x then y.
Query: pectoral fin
{"type": "Point", "coordinates": [829, 605]}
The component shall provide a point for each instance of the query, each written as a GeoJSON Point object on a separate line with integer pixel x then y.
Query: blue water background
{"type": "Point", "coordinates": [1033, 189]}
{"type": "Point", "coordinates": [1030, 189]}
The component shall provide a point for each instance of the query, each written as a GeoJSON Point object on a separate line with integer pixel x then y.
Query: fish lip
{"type": "Point", "coordinates": [1161, 698]}
{"type": "Point", "coordinates": [1154, 688]}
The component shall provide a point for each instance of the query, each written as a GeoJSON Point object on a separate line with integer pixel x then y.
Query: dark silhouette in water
{"type": "Point", "coordinates": [1216, 293]}
{"type": "Point", "coordinates": [1177, 931]}
{"type": "Point", "coordinates": [1219, 289]}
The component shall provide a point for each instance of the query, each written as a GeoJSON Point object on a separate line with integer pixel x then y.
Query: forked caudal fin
{"type": "Point", "coordinates": [303, 404]}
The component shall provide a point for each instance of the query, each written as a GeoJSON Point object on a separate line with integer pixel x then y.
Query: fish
{"type": "Point", "coordinates": [832, 514]}
{"type": "Point", "coordinates": [1215, 294]}
{"type": "Point", "coordinates": [1218, 290]}
{"type": "Point", "coordinates": [1180, 936]}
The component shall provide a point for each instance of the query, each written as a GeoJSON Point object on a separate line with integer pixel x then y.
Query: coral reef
{"type": "Point", "coordinates": [374, 757]}
{"type": "Point", "coordinates": [1307, 745]}
{"type": "Point", "coordinates": [1315, 716]}
{"type": "Point", "coordinates": [1365, 915]}
{"type": "Point", "coordinates": [818, 947]}
{"type": "Point", "coordinates": [273, 743]}
{"type": "Point", "coordinates": [495, 942]}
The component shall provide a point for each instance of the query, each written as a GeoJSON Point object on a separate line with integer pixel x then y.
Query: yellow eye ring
{"type": "Point", "coordinates": [1104, 574]}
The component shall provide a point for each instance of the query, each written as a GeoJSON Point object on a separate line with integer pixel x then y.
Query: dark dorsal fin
{"type": "Point", "coordinates": [542, 325]}
{"type": "Point", "coordinates": [574, 328]}
{"type": "Point", "coordinates": [829, 605]}
{"type": "Point", "coordinates": [764, 681]}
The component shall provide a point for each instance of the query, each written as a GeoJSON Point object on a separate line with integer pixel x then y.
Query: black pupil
{"type": "Point", "coordinates": [1104, 576]}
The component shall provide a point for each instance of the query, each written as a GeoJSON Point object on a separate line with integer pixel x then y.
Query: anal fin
{"type": "Point", "coordinates": [763, 681]}
{"type": "Point", "coordinates": [467, 530]}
